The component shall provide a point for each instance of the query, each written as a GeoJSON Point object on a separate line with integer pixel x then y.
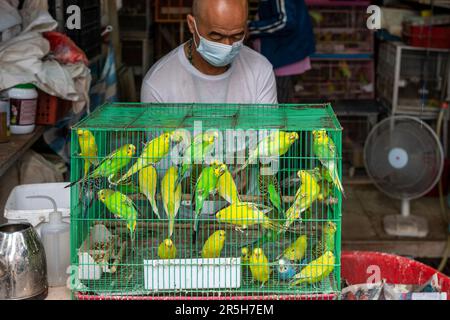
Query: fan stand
{"type": "Point", "coordinates": [405, 225]}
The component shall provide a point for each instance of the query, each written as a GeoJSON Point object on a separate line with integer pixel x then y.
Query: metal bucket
{"type": "Point", "coordinates": [23, 269]}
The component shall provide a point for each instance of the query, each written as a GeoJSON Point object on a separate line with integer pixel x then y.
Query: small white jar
{"type": "Point", "coordinates": [23, 102]}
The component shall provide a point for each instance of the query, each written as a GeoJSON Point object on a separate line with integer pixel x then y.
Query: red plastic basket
{"type": "Point", "coordinates": [51, 109]}
{"type": "Point", "coordinates": [394, 269]}
{"type": "Point", "coordinates": [428, 36]}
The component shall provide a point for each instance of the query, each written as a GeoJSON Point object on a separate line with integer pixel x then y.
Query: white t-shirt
{"type": "Point", "coordinates": [173, 79]}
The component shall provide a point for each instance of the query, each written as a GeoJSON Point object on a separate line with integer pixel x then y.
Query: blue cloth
{"type": "Point", "coordinates": [285, 30]}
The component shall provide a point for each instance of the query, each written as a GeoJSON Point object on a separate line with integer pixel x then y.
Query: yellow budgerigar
{"type": "Point", "coordinates": [316, 270]}
{"type": "Point", "coordinates": [259, 266]}
{"type": "Point", "coordinates": [171, 196]}
{"type": "Point", "coordinates": [167, 250]}
{"type": "Point", "coordinates": [276, 144]}
{"type": "Point", "coordinates": [148, 178]}
{"type": "Point", "coordinates": [227, 188]}
{"type": "Point", "coordinates": [89, 149]}
{"type": "Point", "coordinates": [153, 152]}
{"type": "Point", "coordinates": [325, 149]}
{"type": "Point", "coordinates": [296, 251]}
{"type": "Point", "coordinates": [243, 215]}
{"type": "Point", "coordinates": [245, 255]}
{"type": "Point", "coordinates": [308, 192]}
{"type": "Point", "coordinates": [214, 245]}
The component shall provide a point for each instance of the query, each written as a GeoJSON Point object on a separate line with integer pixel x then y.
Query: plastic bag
{"type": "Point", "coordinates": [64, 49]}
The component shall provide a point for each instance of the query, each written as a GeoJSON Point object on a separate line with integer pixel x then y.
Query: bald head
{"type": "Point", "coordinates": [223, 21]}
{"type": "Point", "coordinates": [200, 7]}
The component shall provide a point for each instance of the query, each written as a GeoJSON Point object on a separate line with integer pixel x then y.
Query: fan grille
{"type": "Point", "coordinates": [404, 157]}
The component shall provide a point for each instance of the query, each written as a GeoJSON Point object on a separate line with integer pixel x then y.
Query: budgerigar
{"type": "Point", "coordinates": [259, 266]}
{"type": "Point", "coordinates": [243, 215]}
{"type": "Point", "coordinates": [214, 245]}
{"type": "Point", "coordinates": [296, 251]}
{"type": "Point", "coordinates": [326, 243]}
{"type": "Point", "coordinates": [276, 144]}
{"type": "Point", "coordinates": [304, 198]}
{"type": "Point", "coordinates": [153, 152]}
{"type": "Point", "coordinates": [171, 196]}
{"type": "Point", "coordinates": [167, 250]}
{"type": "Point", "coordinates": [227, 188]}
{"type": "Point", "coordinates": [316, 270]}
{"type": "Point", "coordinates": [325, 149]}
{"type": "Point", "coordinates": [201, 145]}
{"type": "Point", "coordinates": [120, 206]}
{"type": "Point", "coordinates": [89, 149]}
{"type": "Point", "coordinates": [245, 255]}
{"type": "Point", "coordinates": [111, 165]}
{"type": "Point", "coordinates": [274, 197]}
{"type": "Point", "coordinates": [148, 178]}
{"type": "Point", "coordinates": [206, 185]}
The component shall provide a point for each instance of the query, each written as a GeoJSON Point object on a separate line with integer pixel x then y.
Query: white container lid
{"type": "Point", "coordinates": [18, 207]}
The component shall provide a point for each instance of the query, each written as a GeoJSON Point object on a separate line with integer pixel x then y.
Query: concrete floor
{"type": "Point", "coordinates": [362, 227]}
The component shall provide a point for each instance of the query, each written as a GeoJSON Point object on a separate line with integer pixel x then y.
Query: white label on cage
{"type": "Point", "coordinates": [179, 274]}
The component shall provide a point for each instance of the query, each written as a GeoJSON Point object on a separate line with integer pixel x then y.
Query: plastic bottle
{"type": "Point", "coordinates": [23, 101]}
{"type": "Point", "coordinates": [55, 236]}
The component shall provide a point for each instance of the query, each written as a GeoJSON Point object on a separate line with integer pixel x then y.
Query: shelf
{"type": "Point", "coordinates": [12, 151]}
{"type": "Point", "coordinates": [342, 56]}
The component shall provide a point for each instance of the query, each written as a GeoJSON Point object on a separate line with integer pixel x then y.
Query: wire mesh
{"type": "Point", "coordinates": [206, 201]}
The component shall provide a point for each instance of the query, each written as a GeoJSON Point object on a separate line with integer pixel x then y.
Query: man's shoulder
{"type": "Point", "coordinates": [255, 59]}
{"type": "Point", "coordinates": [164, 65]}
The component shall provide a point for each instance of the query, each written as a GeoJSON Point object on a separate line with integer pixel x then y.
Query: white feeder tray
{"type": "Point", "coordinates": [182, 274]}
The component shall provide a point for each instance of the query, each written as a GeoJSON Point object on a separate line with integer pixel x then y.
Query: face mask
{"type": "Point", "coordinates": [217, 54]}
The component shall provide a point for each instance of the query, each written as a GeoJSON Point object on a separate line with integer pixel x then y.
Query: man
{"type": "Point", "coordinates": [214, 66]}
{"type": "Point", "coordinates": [285, 36]}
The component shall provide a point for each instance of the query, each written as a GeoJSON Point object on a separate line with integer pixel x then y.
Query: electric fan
{"type": "Point", "coordinates": [405, 159]}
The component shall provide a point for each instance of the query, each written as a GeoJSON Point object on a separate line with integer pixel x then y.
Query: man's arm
{"type": "Point", "coordinates": [267, 89]}
{"type": "Point", "coordinates": [283, 22]}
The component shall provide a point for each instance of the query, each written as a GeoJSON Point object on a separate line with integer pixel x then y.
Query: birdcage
{"type": "Point", "coordinates": [206, 202]}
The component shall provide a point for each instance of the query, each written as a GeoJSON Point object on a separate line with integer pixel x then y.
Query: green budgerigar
{"type": "Point", "coordinates": [308, 192]}
{"type": "Point", "coordinates": [121, 207]}
{"type": "Point", "coordinates": [326, 243]}
{"type": "Point", "coordinates": [152, 153]}
{"type": "Point", "coordinates": [111, 165]}
{"type": "Point", "coordinates": [274, 197]}
{"type": "Point", "coordinates": [201, 145]}
{"type": "Point", "coordinates": [325, 149]}
{"type": "Point", "coordinates": [171, 196]}
{"type": "Point", "coordinates": [206, 185]}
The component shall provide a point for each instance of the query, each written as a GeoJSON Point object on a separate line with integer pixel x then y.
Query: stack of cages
{"type": "Point", "coordinates": [88, 38]}
{"type": "Point", "coordinates": [170, 19]}
{"type": "Point", "coordinates": [412, 80]}
{"type": "Point", "coordinates": [206, 202]}
{"type": "Point", "coordinates": [343, 66]}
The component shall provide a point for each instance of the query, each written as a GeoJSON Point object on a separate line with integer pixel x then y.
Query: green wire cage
{"type": "Point", "coordinates": [187, 201]}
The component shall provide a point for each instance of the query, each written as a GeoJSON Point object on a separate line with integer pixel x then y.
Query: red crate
{"type": "Point", "coordinates": [428, 36]}
{"type": "Point", "coordinates": [50, 109]}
